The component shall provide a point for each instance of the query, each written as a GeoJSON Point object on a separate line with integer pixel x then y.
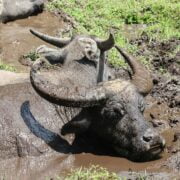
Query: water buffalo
{"type": "Point", "coordinates": [68, 98]}
{"type": "Point", "coordinates": [112, 111]}
{"type": "Point", "coordinates": [78, 47]}
{"type": "Point", "coordinates": [18, 127]}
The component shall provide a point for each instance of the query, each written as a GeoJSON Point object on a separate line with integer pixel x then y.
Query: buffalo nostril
{"type": "Point", "coordinates": [89, 52]}
{"type": "Point", "coordinates": [147, 138]}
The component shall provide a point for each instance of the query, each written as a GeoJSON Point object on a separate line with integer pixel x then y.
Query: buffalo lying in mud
{"type": "Point", "coordinates": [78, 47]}
{"type": "Point", "coordinates": [111, 111]}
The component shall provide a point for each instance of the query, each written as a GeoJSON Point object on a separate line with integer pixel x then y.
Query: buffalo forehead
{"type": "Point", "coordinates": [118, 86]}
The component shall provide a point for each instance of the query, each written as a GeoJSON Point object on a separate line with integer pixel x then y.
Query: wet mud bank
{"type": "Point", "coordinates": [16, 40]}
{"type": "Point", "coordinates": [163, 104]}
{"type": "Point", "coordinates": [162, 110]}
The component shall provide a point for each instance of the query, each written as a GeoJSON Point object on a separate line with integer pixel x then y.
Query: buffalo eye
{"type": "Point", "coordinates": [113, 111]}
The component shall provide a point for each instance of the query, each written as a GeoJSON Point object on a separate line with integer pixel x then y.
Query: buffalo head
{"type": "Point", "coordinates": [78, 46]}
{"type": "Point", "coordinates": [113, 110]}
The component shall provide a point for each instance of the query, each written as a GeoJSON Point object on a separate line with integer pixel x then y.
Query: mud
{"type": "Point", "coordinates": [162, 108]}
{"type": "Point", "coordinates": [55, 164]}
{"type": "Point", "coordinates": [163, 104]}
{"type": "Point", "coordinates": [7, 77]}
{"type": "Point", "coordinates": [16, 40]}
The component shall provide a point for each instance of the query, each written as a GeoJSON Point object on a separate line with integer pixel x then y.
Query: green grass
{"type": "Point", "coordinates": [96, 17]}
{"type": "Point", "coordinates": [32, 55]}
{"type": "Point", "coordinates": [92, 173]}
{"type": "Point", "coordinates": [7, 67]}
{"type": "Point", "coordinates": [96, 172]}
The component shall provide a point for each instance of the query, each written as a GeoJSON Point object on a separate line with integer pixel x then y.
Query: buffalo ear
{"type": "Point", "coordinates": [75, 127]}
{"type": "Point", "coordinates": [79, 124]}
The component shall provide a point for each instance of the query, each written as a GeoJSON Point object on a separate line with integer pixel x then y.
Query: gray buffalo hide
{"type": "Point", "coordinates": [17, 9]}
{"type": "Point", "coordinates": [30, 125]}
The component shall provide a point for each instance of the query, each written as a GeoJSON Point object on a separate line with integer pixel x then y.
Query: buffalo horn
{"type": "Point", "coordinates": [72, 97]}
{"type": "Point", "coordinates": [59, 42]}
{"type": "Point", "coordinates": [141, 77]}
{"type": "Point", "coordinates": [105, 45]}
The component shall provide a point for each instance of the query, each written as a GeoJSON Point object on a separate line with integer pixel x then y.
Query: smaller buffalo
{"type": "Point", "coordinates": [89, 49]}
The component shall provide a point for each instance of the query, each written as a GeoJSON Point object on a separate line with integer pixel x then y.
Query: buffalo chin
{"type": "Point", "coordinates": [150, 155]}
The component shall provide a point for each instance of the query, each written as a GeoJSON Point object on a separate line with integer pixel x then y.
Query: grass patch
{"type": "Point", "coordinates": [32, 55]}
{"type": "Point", "coordinates": [99, 17]}
{"type": "Point", "coordinates": [7, 67]}
{"type": "Point", "coordinates": [96, 172]}
{"type": "Point", "coordinates": [92, 173]}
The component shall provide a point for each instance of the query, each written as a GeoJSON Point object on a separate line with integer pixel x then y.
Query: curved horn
{"type": "Point", "coordinates": [59, 42]}
{"type": "Point", "coordinates": [106, 44]}
{"type": "Point", "coordinates": [141, 78]}
{"type": "Point", "coordinates": [72, 97]}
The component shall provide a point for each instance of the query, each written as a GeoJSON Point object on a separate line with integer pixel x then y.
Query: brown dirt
{"type": "Point", "coordinates": [161, 54]}
{"type": "Point", "coordinates": [7, 77]}
{"type": "Point", "coordinates": [163, 108]}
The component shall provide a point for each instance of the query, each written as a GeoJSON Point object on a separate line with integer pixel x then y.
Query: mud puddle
{"type": "Point", "coordinates": [59, 165]}
{"type": "Point", "coordinates": [16, 40]}
{"type": "Point", "coordinates": [55, 164]}
{"type": "Point", "coordinates": [120, 164]}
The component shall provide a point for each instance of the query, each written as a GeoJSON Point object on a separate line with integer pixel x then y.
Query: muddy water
{"type": "Point", "coordinates": [16, 40]}
{"type": "Point", "coordinates": [57, 164]}
{"type": "Point", "coordinates": [118, 164]}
